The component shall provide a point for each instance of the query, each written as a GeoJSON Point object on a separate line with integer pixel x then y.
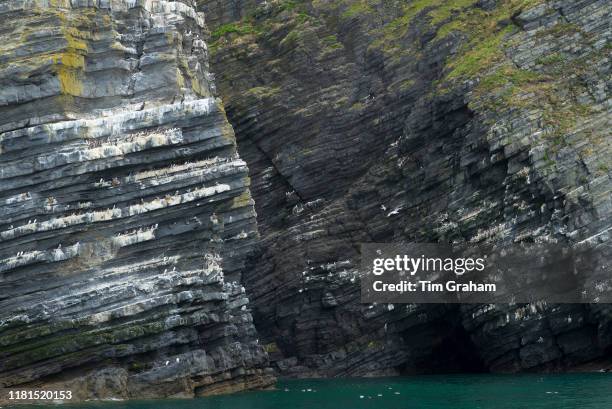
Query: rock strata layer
{"type": "Point", "coordinates": [125, 211]}
{"type": "Point", "coordinates": [425, 121]}
{"type": "Point", "coordinates": [127, 226]}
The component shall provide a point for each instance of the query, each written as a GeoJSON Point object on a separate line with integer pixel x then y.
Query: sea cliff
{"type": "Point", "coordinates": [125, 211]}
{"type": "Point", "coordinates": [167, 232]}
{"type": "Point", "coordinates": [466, 122]}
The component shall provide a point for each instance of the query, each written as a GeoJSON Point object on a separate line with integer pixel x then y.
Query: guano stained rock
{"type": "Point", "coordinates": [125, 211]}
{"type": "Point", "coordinates": [426, 121]}
{"type": "Point", "coordinates": [127, 226]}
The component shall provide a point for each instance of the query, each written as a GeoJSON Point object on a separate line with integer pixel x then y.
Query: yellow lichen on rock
{"type": "Point", "coordinates": [59, 3]}
{"type": "Point", "coordinates": [68, 59]}
{"type": "Point", "coordinates": [197, 87]}
{"type": "Point", "coordinates": [180, 81]}
{"type": "Point", "coordinates": [76, 30]}
{"type": "Point", "coordinates": [68, 66]}
{"type": "Point", "coordinates": [243, 200]}
{"type": "Point", "coordinates": [71, 63]}
{"type": "Point", "coordinates": [70, 82]}
{"type": "Point", "coordinates": [74, 37]}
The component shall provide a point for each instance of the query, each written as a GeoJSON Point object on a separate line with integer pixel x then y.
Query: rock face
{"type": "Point", "coordinates": [125, 211]}
{"type": "Point", "coordinates": [127, 226]}
{"type": "Point", "coordinates": [428, 121]}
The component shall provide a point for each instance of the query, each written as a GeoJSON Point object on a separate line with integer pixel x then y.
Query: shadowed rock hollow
{"type": "Point", "coordinates": [427, 121]}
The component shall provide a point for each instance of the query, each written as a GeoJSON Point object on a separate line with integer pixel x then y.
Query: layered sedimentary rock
{"type": "Point", "coordinates": [125, 212]}
{"type": "Point", "coordinates": [427, 121]}
{"type": "Point", "coordinates": [126, 219]}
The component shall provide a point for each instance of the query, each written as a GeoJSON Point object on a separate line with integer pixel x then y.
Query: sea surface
{"type": "Point", "coordinates": [579, 391]}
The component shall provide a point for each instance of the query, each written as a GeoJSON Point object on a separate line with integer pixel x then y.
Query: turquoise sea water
{"type": "Point", "coordinates": [579, 391]}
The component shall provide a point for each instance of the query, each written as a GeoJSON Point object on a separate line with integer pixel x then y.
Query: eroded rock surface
{"type": "Point", "coordinates": [428, 121]}
{"type": "Point", "coordinates": [126, 219]}
{"type": "Point", "coordinates": [125, 211]}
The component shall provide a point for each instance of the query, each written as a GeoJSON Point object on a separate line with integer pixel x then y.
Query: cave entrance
{"type": "Point", "coordinates": [442, 347]}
